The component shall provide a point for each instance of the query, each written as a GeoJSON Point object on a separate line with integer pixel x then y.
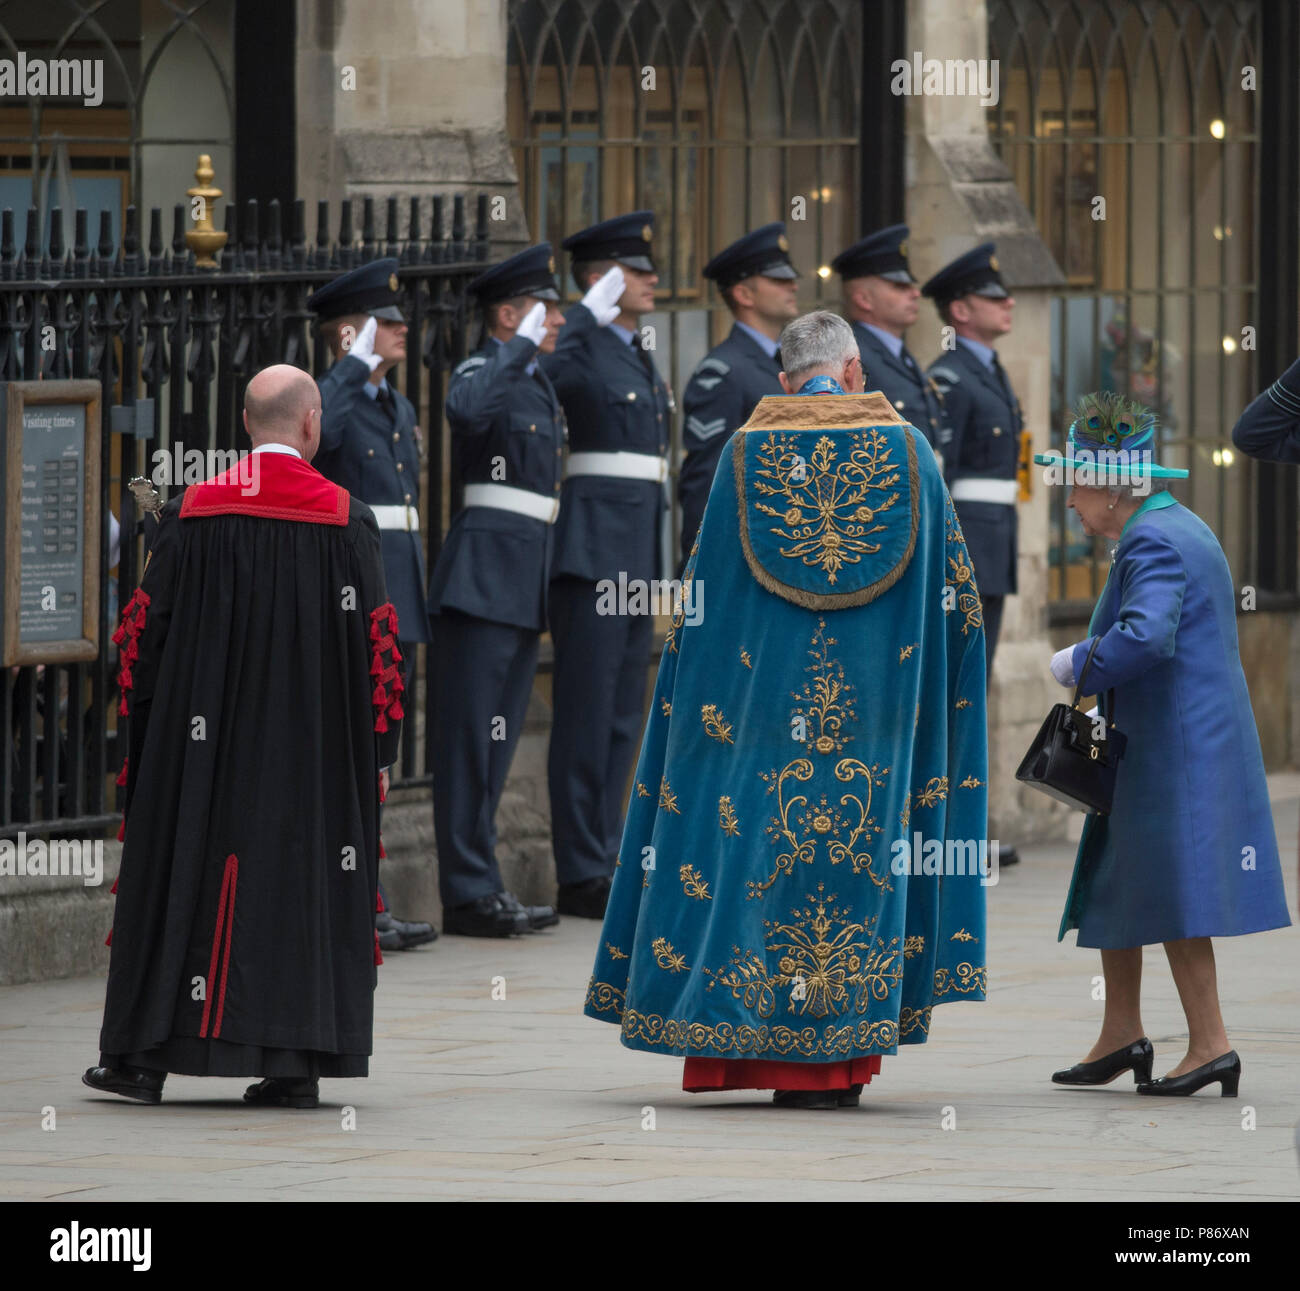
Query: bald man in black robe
{"type": "Point", "coordinates": [263, 683]}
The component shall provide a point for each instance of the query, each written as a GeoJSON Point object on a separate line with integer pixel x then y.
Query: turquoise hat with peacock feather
{"type": "Point", "coordinates": [1112, 439]}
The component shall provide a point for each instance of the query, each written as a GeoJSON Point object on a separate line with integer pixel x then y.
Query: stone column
{"type": "Point", "coordinates": [407, 99]}
{"type": "Point", "coordinates": [959, 194]}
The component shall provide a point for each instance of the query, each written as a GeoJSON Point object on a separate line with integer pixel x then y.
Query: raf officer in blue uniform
{"type": "Point", "coordinates": [882, 300]}
{"type": "Point", "coordinates": [607, 539]}
{"type": "Point", "coordinates": [983, 454]}
{"type": "Point", "coordinates": [757, 280]}
{"type": "Point", "coordinates": [488, 592]}
{"type": "Point", "coordinates": [1269, 429]}
{"type": "Point", "coordinates": [369, 445]}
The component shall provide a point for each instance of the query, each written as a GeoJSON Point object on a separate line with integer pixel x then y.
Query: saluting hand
{"type": "Point", "coordinates": [603, 296]}
{"type": "Point", "coordinates": [363, 347]}
{"type": "Point", "coordinates": [533, 328]}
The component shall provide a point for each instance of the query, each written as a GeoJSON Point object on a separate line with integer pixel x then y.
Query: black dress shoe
{"type": "Point", "coordinates": [811, 1099]}
{"type": "Point", "coordinates": [489, 916]}
{"type": "Point", "coordinates": [587, 900]}
{"type": "Point", "coordinates": [851, 1097]}
{"type": "Point", "coordinates": [399, 934]}
{"type": "Point", "coordinates": [275, 1091]}
{"type": "Point", "coordinates": [1226, 1069]}
{"type": "Point", "coordinates": [539, 916]}
{"type": "Point", "coordinates": [131, 1082]}
{"type": "Point", "coordinates": [1136, 1057]}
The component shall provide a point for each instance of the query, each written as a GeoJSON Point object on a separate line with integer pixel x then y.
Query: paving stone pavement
{"type": "Point", "coordinates": [524, 1098]}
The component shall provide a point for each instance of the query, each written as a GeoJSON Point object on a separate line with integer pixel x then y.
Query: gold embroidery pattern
{"type": "Point", "coordinates": [727, 817]}
{"type": "Point", "coordinates": [693, 883]}
{"type": "Point", "coordinates": [666, 957]}
{"type": "Point", "coordinates": [906, 651]}
{"type": "Point", "coordinates": [667, 798]}
{"type": "Point", "coordinates": [804, 850]}
{"type": "Point", "coordinates": [827, 701]}
{"type": "Point", "coordinates": [910, 1020]}
{"type": "Point", "coordinates": [968, 980]}
{"type": "Point", "coordinates": [666, 707]}
{"type": "Point", "coordinates": [935, 791]}
{"type": "Point", "coordinates": [604, 998]}
{"type": "Point", "coordinates": [971, 782]}
{"type": "Point", "coordinates": [962, 935]}
{"type": "Point", "coordinates": [962, 703]}
{"type": "Point", "coordinates": [963, 577]}
{"type": "Point", "coordinates": [823, 536]}
{"type": "Point", "coordinates": [831, 507]}
{"type": "Point", "coordinates": [641, 790]}
{"type": "Point", "coordinates": [905, 815]}
{"type": "Point", "coordinates": [830, 964]}
{"type": "Point", "coordinates": [614, 952]}
{"type": "Point", "coordinates": [678, 617]}
{"type": "Point", "coordinates": [745, 659]}
{"type": "Point", "coordinates": [677, 1035]}
{"type": "Point", "coordinates": [715, 725]}
{"type": "Point", "coordinates": [913, 946]}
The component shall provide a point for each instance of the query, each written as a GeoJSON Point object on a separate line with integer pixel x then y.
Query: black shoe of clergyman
{"type": "Point", "coordinates": [851, 1097]}
{"type": "Point", "coordinates": [811, 1099]}
{"type": "Point", "coordinates": [539, 916]}
{"type": "Point", "coordinates": [586, 900]}
{"type": "Point", "coordinates": [1136, 1057]}
{"type": "Point", "coordinates": [277, 1092]}
{"type": "Point", "coordinates": [399, 934]}
{"type": "Point", "coordinates": [1226, 1069]}
{"type": "Point", "coordinates": [131, 1082]}
{"type": "Point", "coordinates": [489, 916]}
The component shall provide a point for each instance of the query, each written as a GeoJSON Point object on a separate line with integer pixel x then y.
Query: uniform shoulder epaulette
{"type": "Point", "coordinates": [471, 364]}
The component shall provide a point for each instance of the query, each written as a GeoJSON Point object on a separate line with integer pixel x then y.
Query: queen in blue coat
{"type": "Point", "coordinates": [1189, 851]}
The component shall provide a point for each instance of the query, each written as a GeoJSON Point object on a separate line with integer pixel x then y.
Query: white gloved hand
{"type": "Point", "coordinates": [1063, 666]}
{"type": "Point", "coordinates": [1092, 712]}
{"type": "Point", "coordinates": [363, 346]}
{"type": "Point", "coordinates": [533, 328]}
{"type": "Point", "coordinates": [603, 296]}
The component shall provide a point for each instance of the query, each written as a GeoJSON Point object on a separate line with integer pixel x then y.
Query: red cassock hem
{"type": "Point", "coordinates": [705, 1074]}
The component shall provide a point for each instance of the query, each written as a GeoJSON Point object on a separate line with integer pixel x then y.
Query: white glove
{"type": "Point", "coordinates": [1063, 666]}
{"type": "Point", "coordinates": [1092, 712]}
{"type": "Point", "coordinates": [533, 328]}
{"type": "Point", "coordinates": [603, 296]}
{"type": "Point", "coordinates": [363, 346]}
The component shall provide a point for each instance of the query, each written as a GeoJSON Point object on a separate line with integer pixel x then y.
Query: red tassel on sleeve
{"type": "Point", "coordinates": [379, 954]}
{"type": "Point", "coordinates": [127, 638]}
{"type": "Point", "coordinates": [389, 685]}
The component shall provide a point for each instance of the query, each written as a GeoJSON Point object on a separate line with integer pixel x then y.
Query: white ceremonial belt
{"type": "Point", "coordinates": [624, 466]}
{"type": "Point", "coordinates": [1004, 491]}
{"type": "Point", "coordinates": [501, 496]}
{"type": "Point", "coordinates": [398, 517]}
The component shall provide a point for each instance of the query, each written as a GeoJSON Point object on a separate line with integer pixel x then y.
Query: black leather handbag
{"type": "Point", "coordinates": [1069, 761]}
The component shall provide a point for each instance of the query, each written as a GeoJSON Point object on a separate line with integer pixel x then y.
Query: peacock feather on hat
{"type": "Point", "coordinates": [1111, 420]}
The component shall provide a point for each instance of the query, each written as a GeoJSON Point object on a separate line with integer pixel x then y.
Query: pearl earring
{"type": "Point", "coordinates": [1110, 507]}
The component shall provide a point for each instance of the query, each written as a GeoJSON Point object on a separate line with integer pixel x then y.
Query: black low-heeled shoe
{"type": "Point", "coordinates": [130, 1082]}
{"type": "Point", "coordinates": [809, 1099]}
{"type": "Point", "coordinates": [1226, 1069]}
{"type": "Point", "coordinates": [1136, 1057]}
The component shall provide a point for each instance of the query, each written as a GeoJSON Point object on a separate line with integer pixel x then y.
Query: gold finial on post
{"type": "Point", "coordinates": [203, 239]}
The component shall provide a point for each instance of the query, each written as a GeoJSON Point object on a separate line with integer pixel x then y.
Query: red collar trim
{"type": "Point", "coordinates": [276, 487]}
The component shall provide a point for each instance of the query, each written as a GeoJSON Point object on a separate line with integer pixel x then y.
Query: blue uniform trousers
{"type": "Point", "coordinates": [599, 701]}
{"type": "Point", "coordinates": [482, 671]}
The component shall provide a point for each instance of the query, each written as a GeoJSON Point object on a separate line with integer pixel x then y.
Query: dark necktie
{"type": "Point", "coordinates": [644, 355]}
{"type": "Point", "coordinates": [385, 401]}
{"type": "Point", "coordinates": [776, 358]}
{"type": "Point", "coordinates": [909, 362]}
{"type": "Point", "coordinates": [1000, 372]}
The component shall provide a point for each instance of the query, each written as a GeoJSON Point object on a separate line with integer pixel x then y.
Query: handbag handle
{"type": "Point", "coordinates": [1078, 689]}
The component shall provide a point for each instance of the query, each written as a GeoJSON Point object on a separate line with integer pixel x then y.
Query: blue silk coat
{"type": "Point", "coordinates": [1189, 848]}
{"type": "Point", "coordinates": [817, 735]}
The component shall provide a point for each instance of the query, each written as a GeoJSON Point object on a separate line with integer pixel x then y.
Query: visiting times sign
{"type": "Point", "coordinates": [50, 520]}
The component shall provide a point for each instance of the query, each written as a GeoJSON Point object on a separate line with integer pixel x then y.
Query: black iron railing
{"type": "Point", "coordinates": [148, 324]}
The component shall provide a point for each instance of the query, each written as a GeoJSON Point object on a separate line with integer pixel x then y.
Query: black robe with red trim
{"type": "Point", "coordinates": [260, 671]}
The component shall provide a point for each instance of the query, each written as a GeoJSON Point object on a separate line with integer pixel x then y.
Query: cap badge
{"type": "Point", "coordinates": [993, 264]}
{"type": "Point", "coordinates": [783, 242]}
{"type": "Point", "coordinates": [392, 282]}
{"type": "Point", "coordinates": [550, 265]}
{"type": "Point", "coordinates": [902, 249]}
{"type": "Point", "coordinates": [645, 233]}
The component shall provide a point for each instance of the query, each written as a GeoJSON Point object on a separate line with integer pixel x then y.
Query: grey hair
{"type": "Point", "coordinates": [1138, 488]}
{"type": "Point", "coordinates": [820, 342]}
